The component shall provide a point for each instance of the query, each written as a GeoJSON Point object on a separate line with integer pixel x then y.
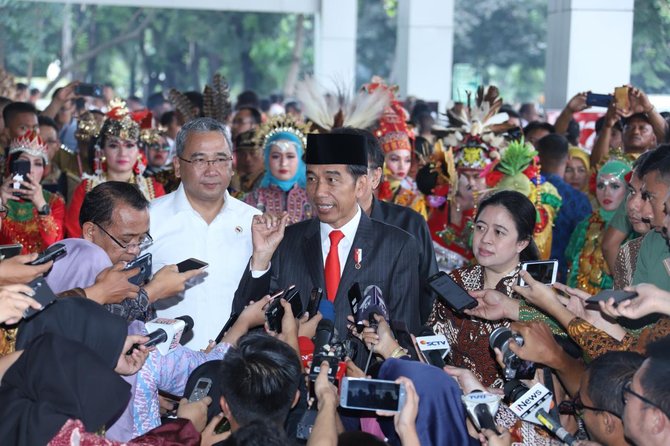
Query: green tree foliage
{"type": "Point", "coordinates": [650, 67]}
{"type": "Point", "coordinates": [505, 42]}
{"type": "Point", "coordinates": [178, 48]}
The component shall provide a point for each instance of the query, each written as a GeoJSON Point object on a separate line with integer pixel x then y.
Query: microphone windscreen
{"type": "Point", "coordinates": [188, 320]}
{"type": "Point", "coordinates": [327, 310]}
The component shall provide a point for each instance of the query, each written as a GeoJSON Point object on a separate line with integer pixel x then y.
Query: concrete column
{"type": "Point", "coordinates": [589, 45]}
{"type": "Point", "coordinates": [424, 50]}
{"type": "Point", "coordinates": [335, 43]}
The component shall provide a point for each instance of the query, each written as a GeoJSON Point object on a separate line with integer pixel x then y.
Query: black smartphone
{"type": "Point", "coordinates": [9, 251]}
{"type": "Point", "coordinates": [43, 295]}
{"type": "Point", "coordinates": [314, 302]}
{"type": "Point", "coordinates": [292, 296]}
{"type": "Point", "coordinates": [20, 168]}
{"type": "Point", "coordinates": [355, 297]}
{"type": "Point", "coordinates": [91, 90]}
{"type": "Point", "coordinates": [598, 100]}
{"type": "Point", "coordinates": [51, 253]}
{"type": "Point", "coordinates": [450, 292]}
{"type": "Point", "coordinates": [618, 295]}
{"type": "Point", "coordinates": [191, 264]}
{"type": "Point", "coordinates": [143, 262]}
{"type": "Point", "coordinates": [274, 314]}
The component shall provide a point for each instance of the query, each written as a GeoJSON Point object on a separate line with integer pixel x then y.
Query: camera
{"type": "Point", "coordinates": [514, 367]}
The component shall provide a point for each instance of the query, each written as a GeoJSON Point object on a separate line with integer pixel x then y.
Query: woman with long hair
{"type": "Point", "coordinates": [502, 239]}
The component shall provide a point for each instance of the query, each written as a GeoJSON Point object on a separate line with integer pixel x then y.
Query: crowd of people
{"type": "Point", "coordinates": [272, 226]}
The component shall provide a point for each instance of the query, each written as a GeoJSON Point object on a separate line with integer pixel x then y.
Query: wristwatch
{"type": "Point", "coordinates": [44, 210]}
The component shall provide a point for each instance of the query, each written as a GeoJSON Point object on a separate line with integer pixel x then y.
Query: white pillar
{"type": "Point", "coordinates": [589, 47]}
{"type": "Point", "coordinates": [424, 50]}
{"type": "Point", "coordinates": [335, 43]}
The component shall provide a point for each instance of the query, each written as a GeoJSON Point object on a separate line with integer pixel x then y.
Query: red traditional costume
{"type": "Point", "coordinates": [124, 125]}
{"type": "Point", "coordinates": [24, 224]}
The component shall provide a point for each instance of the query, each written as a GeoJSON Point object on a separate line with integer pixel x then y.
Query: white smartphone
{"type": "Point", "coordinates": [372, 394]}
{"type": "Point", "coordinates": [544, 271]}
{"type": "Point", "coordinates": [200, 390]}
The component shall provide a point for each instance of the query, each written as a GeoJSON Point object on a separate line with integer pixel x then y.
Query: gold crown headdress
{"type": "Point", "coordinates": [281, 124]}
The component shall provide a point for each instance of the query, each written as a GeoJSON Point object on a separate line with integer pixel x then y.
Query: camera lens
{"type": "Point", "coordinates": [499, 336]}
{"type": "Point", "coordinates": [514, 389]}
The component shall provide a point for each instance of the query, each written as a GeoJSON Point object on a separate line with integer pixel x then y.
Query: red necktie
{"type": "Point", "coordinates": [333, 265]}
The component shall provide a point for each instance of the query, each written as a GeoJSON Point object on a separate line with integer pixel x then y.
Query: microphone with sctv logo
{"type": "Point", "coordinates": [434, 347]}
{"type": "Point", "coordinates": [165, 333]}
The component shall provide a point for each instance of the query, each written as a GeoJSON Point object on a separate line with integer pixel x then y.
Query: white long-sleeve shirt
{"type": "Point", "coordinates": [180, 233]}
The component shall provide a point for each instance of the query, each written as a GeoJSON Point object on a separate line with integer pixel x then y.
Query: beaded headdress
{"type": "Point", "coordinates": [392, 132]}
{"type": "Point", "coordinates": [120, 122]}
{"type": "Point", "coordinates": [280, 125]}
{"type": "Point", "coordinates": [30, 143]}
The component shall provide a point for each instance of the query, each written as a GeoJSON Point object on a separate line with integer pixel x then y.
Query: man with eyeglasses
{"type": "Point", "coordinates": [597, 401]}
{"type": "Point", "coordinates": [646, 398]}
{"type": "Point", "coordinates": [202, 220]}
{"type": "Point", "coordinates": [115, 216]}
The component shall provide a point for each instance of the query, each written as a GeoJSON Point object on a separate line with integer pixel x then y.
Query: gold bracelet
{"type": "Point", "coordinates": [398, 352]}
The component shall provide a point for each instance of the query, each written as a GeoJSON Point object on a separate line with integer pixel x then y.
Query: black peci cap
{"type": "Point", "coordinates": [329, 148]}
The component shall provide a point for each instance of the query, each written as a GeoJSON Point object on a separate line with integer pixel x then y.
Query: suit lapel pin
{"type": "Point", "coordinates": [358, 258]}
{"type": "Point", "coordinates": [238, 229]}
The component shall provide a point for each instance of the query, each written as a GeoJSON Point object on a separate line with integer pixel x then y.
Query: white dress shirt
{"type": "Point", "coordinates": [180, 233]}
{"type": "Point", "coordinates": [349, 230]}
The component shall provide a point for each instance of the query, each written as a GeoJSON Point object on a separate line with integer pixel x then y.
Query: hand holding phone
{"type": "Point", "coordinates": [91, 90]}
{"type": "Point", "coordinates": [143, 262]}
{"type": "Point", "coordinates": [618, 296]}
{"type": "Point", "coordinates": [598, 100]}
{"type": "Point", "coordinates": [52, 253]}
{"type": "Point", "coordinates": [191, 264]}
{"type": "Point", "coordinates": [372, 394]}
{"type": "Point", "coordinates": [43, 294]}
{"type": "Point", "coordinates": [543, 271]}
{"type": "Point", "coordinates": [200, 390]}
{"type": "Point", "coordinates": [9, 251]}
{"type": "Point", "coordinates": [621, 98]}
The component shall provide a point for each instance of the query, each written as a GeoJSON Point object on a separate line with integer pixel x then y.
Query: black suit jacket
{"type": "Point", "coordinates": [411, 221]}
{"type": "Point", "coordinates": [389, 259]}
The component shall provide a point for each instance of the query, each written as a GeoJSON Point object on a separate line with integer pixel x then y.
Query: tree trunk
{"type": "Point", "coordinates": [194, 56]}
{"type": "Point", "coordinates": [66, 39]}
{"type": "Point", "coordinates": [92, 42]}
{"type": "Point", "coordinates": [296, 57]}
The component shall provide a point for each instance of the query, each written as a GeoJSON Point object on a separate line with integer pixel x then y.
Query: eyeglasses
{"type": "Point", "coordinates": [144, 243]}
{"type": "Point", "coordinates": [577, 407]}
{"type": "Point", "coordinates": [201, 163]}
{"type": "Point", "coordinates": [627, 389]}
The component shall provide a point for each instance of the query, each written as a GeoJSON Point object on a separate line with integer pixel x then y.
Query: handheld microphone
{"type": "Point", "coordinates": [323, 335]}
{"type": "Point", "coordinates": [434, 347]}
{"type": "Point", "coordinates": [482, 407]}
{"type": "Point", "coordinates": [533, 406]}
{"type": "Point", "coordinates": [372, 303]}
{"type": "Point", "coordinates": [554, 426]}
{"type": "Point", "coordinates": [322, 339]}
{"type": "Point", "coordinates": [165, 333]}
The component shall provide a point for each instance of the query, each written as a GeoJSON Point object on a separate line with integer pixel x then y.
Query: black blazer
{"type": "Point", "coordinates": [390, 256]}
{"type": "Point", "coordinates": [411, 221]}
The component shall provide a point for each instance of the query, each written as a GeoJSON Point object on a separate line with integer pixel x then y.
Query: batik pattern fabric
{"type": "Point", "coordinates": [624, 268]}
{"type": "Point", "coordinates": [275, 201]}
{"type": "Point", "coordinates": [595, 342]}
{"type": "Point", "coordinates": [469, 336]}
{"type": "Point", "coordinates": [169, 373]}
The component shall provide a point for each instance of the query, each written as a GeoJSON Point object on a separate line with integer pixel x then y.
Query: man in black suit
{"type": "Point", "coordinates": [399, 216]}
{"type": "Point", "coordinates": [365, 251]}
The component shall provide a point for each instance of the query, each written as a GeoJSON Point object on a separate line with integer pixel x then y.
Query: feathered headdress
{"type": "Point", "coordinates": [215, 104]}
{"type": "Point", "coordinates": [475, 137]}
{"type": "Point", "coordinates": [7, 84]}
{"type": "Point", "coordinates": [328, 111]}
